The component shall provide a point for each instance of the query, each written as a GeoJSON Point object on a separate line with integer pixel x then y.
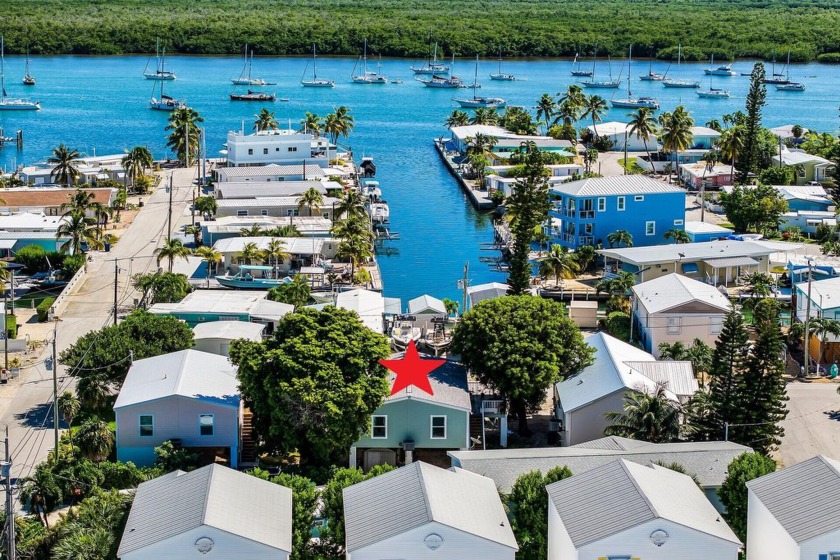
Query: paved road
{"type": "Point", "coordinates": [28, 413]}
{"type": "Point", "coordinates": [813, 424]}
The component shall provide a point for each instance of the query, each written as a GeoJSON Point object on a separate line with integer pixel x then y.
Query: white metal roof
{"type": "Point", "coordinates": [609, 128]}
{"type": "Point", "coordinates": [225, 302]}
{"type": "Point", "coordinates": [796, 157]}
{"type": "Point", "coordinates": [229, 330]}
{"type": "Point", "coordinates": [704, 131]}
{"type": "Point", "coordinates": [469, 131]}
{"type": "Point", "coordinates": [426, 304]}
{"type": "Point", "coordinates": [726, 262]}
{"type": "Point", "coordinates": [617, 185]}
{"type": "Point", "coordinates": [268, 202]}
{"type": "Point", "coordinates": [803, 498]}
{"type": "Point", "coordinates": [480, 292]}
{"type": "Point", "coordinates": [214, 496]}
{"type": "Point", "coordinates": [188, 373]}
{"type": "Point", "coordinates": [30, 221]}
{"type": "Point", "coordinates": [293, 245]}
{"type": "Point", "coordinates": [270, 170]}
{"type": "Point", "coordinates": [693, 252]}
{"type": "Point", "coordinates": [620, 495]}
{"type": "Point", "coordinates": [825, 294]}
{"type": "Point", "coordinates": [368, 304]}
{"type": "Point", "coordinates": [705, 227]}
{"type": "Point", "coordinates": [407, 498]}
{"type": "Point", "coordinates": [672, 290]}
{"type": "Point", "coordinates": [252, 189]}
{"type": "Point", "coordinates": [786, 131]}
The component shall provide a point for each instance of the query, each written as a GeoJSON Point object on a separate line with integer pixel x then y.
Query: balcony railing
{"type": "Point", "coordinates": [586, 240]}
{"type": "Point", "coordinates": [587, 214]}
{"type": "Point", "coordinates": [492, 406]}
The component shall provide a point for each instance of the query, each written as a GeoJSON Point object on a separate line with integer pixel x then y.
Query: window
{"type": "Point", "coordinates": [674, 325]}
{"type": "Point", "coordinates": [205, 424]}
{"type": "Point", "coordinates": [379, 427]}
{"type": "Point", "coordinates": [438, 427]}
{"type": "Point", "coordinates": [715, 325]}
{"type": "Point", "coordinates": [241, 212]}
{"type": "Point", "coordinates": [265, 151]}
{"type": "Point", "coordinates": [326, 215]}
{"type": "Point", "coordinates": [276, 149]}
{"type": "Point", "coordinates": [800, 172]}
{"type": "Point", "coordinates": [650, 228]}
{"type": "Point", "coordinates": [147, 425]}
{"type": "Point", "coordinates": [291, 212]}
{"type": "Point", "coordinates": [639, 198]}
{"type": "Point", "coordinates": [602, 204]}
{"type": "Point", "coordinates": [678, 222]}
{"type": "Point", "coordinates": [292, 148]}
{"type": "Point", "coordinates": [250, 151]}
{"type": "Point", "coordinates": [263, 212]}
{"type": "Point", "coordinates": [620, 203]}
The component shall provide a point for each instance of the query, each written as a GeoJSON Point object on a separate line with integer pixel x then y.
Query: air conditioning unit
{"type": "Point", "coordinates": [408, 446]}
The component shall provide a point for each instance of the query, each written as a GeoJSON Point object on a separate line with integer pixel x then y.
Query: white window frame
{"type": "Point", "coordinates": [373, 426]}
{"type": "Point", "coordinates": [679, 222]}
{"type": "Point", "coordinates": [140, 425]}
{"type": "Point", "coordinates": [639, 198]}
{"type": "Point", "coordinates": [674, 325]}
{"type": "Point", "coordinates": [212, 425]}
{"type": "Point", "coordinates": [602, 204]}
{"type": "Point", "coordinates": [620, 204]}
{"type": "Point", "coordinates": [650, 227]}
{"type": "Point", "coordinates": [432, 427]}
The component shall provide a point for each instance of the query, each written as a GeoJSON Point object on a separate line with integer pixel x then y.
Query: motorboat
{"type": "Point", "coordinates": [501, 76]}
{"type": "Point", "coordinates": [367, 76]}
{"type": "Point", "coordinates": [438, 339]}
{"type": "Point", "coordinates": [723, 70]}
{"type": "Point", "coordinates": [253, 96]}
{"type": "Point", "coordinates": [11, 103]}
{"type": "Point", "coordinates": [28, 78]}
{"type": "Point", "coordinates": [315, 82]}
{"type": "Point", "coordinates": [432, 66]}
{"type": "Point", "coordinates": [250, 277]}
{"type": "Point", "coordinates": [245, 78]}
{"type": "Point", "coordinates": [792, 86]}
{"type": "Point", "coordinates": [403, 333]}
{"type": "Point", "coordinates": [379, 212]}
{"type": "Point", "coordinates": [160, 72]}
{"type": "Point", "coordinates": [397, 82]}
{"type": "Point", "coordinates": [631, 102]}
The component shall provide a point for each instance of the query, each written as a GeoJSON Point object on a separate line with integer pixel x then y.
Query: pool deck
{"type": "Point", "coordinates": [479, 198]}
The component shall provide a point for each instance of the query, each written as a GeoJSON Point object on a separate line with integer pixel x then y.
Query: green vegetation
{"type": "Point", "coordinates": [542, 27]}
{"type": "Point", "coordinates": [43, 308]}
{"type": "Point", "coordinates": [648, 417]}
{"type": "Point", "coordinates": [528, 511]}
{"type": "Point", "coordinates": [733, 492]}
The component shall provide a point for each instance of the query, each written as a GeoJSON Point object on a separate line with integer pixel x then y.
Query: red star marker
{"type": "Point", "coordinates": [411, 370]}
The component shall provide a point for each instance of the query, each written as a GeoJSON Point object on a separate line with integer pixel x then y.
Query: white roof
{"type": "Point", "coordinates": [267, 202]}
{"type": "Point", "coordinates": [213, 496]}
{"type": "Point", "coordinates": [480, 292]}
{"type": "Point", "coordinates": [699, 169]}
{"type": "Point", "coordinates": [693, 252]}
{"type": "Point", "coordinates": [30, 221]}
{"type": "Point", "coordinates": [609, 128]}
{"type": "Point", "coordinates": [226, 302]}
{"type": "Point", "coordinates": [825, 294]}
{"type": "Point", "coordinates": [426, 304]}
{"type": "Point", "coordinates": [270, 170]}
{"type": "Point", "coordinates": [811, 193]}
{"type": "Point", "coordinates": [705, 227]}
{"type": "Point", "coordinates": [469, 131]}
{"type": "Point", "coordinates": [803, 498]}
{"type": "Point", "coordinates": [610, 373]}
{"type": "Point", "coordinates": [796, 157]}
{"type": "Point", "coordinates": [704, 131]}
{"type": "Point", "coordinates": [188, 373]}
{"type": "Point", "coordinates": [229, 330]}
{"type": "Point", "coordinates": [293, 245]}
{"type": "Point", "coordinates": [672, 290]}
{"type": "Point", "coordinates": [617, 185]}
{"type": "Point", "coordinates": [786, 131]}
{"type": "Point", "coordinates": [253, 189]}
{"type": "Point", "coordinates": [621, 495]}
{"type": "Point", "coordinates": [410, 497]}
{"type": "Point", "coordinates": [368, 304]}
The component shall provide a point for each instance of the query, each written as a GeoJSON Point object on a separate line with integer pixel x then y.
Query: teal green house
{"type": "Point", "coordinates": [413, 425]}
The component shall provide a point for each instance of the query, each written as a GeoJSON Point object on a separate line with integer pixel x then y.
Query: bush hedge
{"type": "Point", "coordinates": [43, 309]}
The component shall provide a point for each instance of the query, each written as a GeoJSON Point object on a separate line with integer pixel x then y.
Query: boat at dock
{"type": "Point", "coordinates": [791, 86]}
{"type": "Point", "coordinates": [315, 82]}
{"type": "Point", "coordinates": [631, 102]}
{"type": "Point", "coordinates": [160, 73]}
{"type": "Point", "coordinates": [28, 78]}
{"type": "Point", "coordinates": [437, 339]}
{"type": "Point", "coordinates": [250, 277]}
{"type": "Point", "coordinates": [687, 84]}
{"type": "Point", "coordinates": [245, 78]}
{"type": "Point", "coordinates": [432, 65]}
{"type": "Point", "coordinates": [723, 70]}
{"type": "Point", "coordinates": [11, 103]}
{"type": "Point", "coordinates": [404, 332]}
{"type": "Point", "coordinates": [367, 76]}
{"type": "Point", "coordinates": [254, 96]}
{"type": "Point", "coordinates": [501, 76]}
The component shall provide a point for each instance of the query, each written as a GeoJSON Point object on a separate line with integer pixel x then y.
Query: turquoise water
{"type": "Point", "coordinates": [99, 104]}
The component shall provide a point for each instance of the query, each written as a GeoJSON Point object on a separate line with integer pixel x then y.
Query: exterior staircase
{"type": "Point", "coordinates": [248, 446]}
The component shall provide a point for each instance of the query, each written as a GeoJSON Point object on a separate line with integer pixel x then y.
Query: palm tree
{"type": "Point", "coordinates": [95, 439]}
{"type": "Point", "coordinates": [64, 171]}
{"type": "Point", "coordinates": [823, 328]}
{"type": "Point", "coordinates": [80, 201]}
{"type": "Point", "coordinates": [351, 204]}
{"type": "Point", "coordinates": [77, 231]}
{"type": "Point", "coordinates": [136, 161]}
{"type": "Point", "coordinates": [485, 116]}
{"type": "Point", "coordinates": [678, 235]}
{"type": "Point", "coordinates": [643, 125]}
{"type": "Point", "coordinates": [357, 249]}
{"type": "Point", "coordinates": [83, 543]}
{"type": "Point", "coordinates": [94, 391]}
{"type": "Point", "coordinates": [312, 199]}
{"type": "Point", "coordinates": [730, 144]}
{"type": "Point", "coordinates": [170, 250]}
{"type": "Point", "coordinates": [264, 120]}
{"type": "Point", "coordinates": [254, 230]}
{"type": "Point", "coordinates": [312, 123]}
{"type": "Point", "coordinates": [560, 263]}
{"type": "Point", "coordinates": [714, 124]}
{"type": "Point", "coordinates": [68, 406]}
{"type": "Point", "coordinates": [42, 492]}
{"type": "Point", "coordinates": [287, 230]}
{"type": "Point", "coordinates": [250, 252]}
{"type": "Point", "coordinates": [648, 417]}
{"type": "Point", "coordinates": [676, 132]}
{"type": "Point", "coordinates": [619, 236]}
{"type": "Point", "coordinates": [184, 133]}
{"type": "Point", "coordinates": [457, 118]}
{"type": "Point", "coordinates": [210, 256]}
{"type": "Point", "coordinates": [594, 108]}
{"type": "Point", "coordinates": [339, 124]}
{"type": "Point", "coordinates": [207, 205]}
{"type": "Point", "coordinates": [573, 97]}
{"type": "Point", "coordinates": [195, 231]}
{"type": "Point", "coordinates": [546, 107]}
{"type": "Point", "coordinates": [276, 252]}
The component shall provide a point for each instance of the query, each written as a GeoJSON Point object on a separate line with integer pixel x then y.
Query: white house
{"type": "Point", "coordinates": [254, 189]}
{"type": "Point", "coordinates": [792, 513]}
{"type": "Point", "coordinates": [420, 512]}
{"type": "Point", "coordinates": [369, 305]}
{"type": "Point", "coordinates": [300, 250]}
{"type": "Point", "coordinates": [275, 206]}
{"type": "Point", "coordinates": [205, 306]}
{"type": "Point", "coordinates": [211, 512]}
{"type": "Point", "coordinates": [283, 147]}
{"type": "Point", "coordinates": [189, 396]}
{"type": "Point", "coordinates": [583, 399]}
{"type": "Point", "coordinates": [617, 132]}
{"type": "Point", "coordinates": [786, 131]}
{"type": "Point", "coordinates": [674, 308]}
{"type": "Point", "coordinates": [216, 337]}
{"type": "Point", "coordinates": [623, 510]}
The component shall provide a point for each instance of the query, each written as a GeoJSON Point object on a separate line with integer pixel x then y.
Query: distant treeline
{"type": "Point", "coordinates": [538, 28]}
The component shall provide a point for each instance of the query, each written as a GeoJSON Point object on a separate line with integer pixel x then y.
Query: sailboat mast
{"type": "Point", "coordinates": [364, 59]}
{"type": "Point", "coordinates": [314, 75]}
{"type": "Point", "coordinates": [629, 60]}
{"type": "Point", "coordinates": [2, 68]}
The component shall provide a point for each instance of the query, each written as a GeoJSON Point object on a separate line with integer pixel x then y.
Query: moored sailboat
{"type": "Point", "coordinates": [165, 102]}
{"type": "Point", "coordinates": [367, 77]}
{"type": "Point", "coordinates": [431, 66]}
{"type": "Point", "coordinates": [11, 103]}
{"type": "Point", "coordinates": [315, 82]}
{"type": "Point", "coordinates": [580, 72]}
{"type": "Point", "coordinates": [245, 78]}
{"type": "Point", "coordinates": [713, 93]}
{"type": "Point", "coordinates": [476, 101]}
{"type": "Point", "coordinates": [592, 83]}
{"type": "Point", "coordinates": [28, 78]}
{"type": "Point", "coordinates": [501, 76]}
{"type": "Point", "coordinates": [671, 83]}
{"type": "Point", "coordinates": [160, 72]}
{"type": "Point", "coordinates": [631, 102]}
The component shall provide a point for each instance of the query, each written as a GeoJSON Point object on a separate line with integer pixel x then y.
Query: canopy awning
{"type": "Point", "coordinates": [311, 270]}
{"type": "Point", "coordinates": [690, 268]}
{"type": "Point", "coordinates": [725, 262]}
{"type": "Point", "coordinates": [7, 243]}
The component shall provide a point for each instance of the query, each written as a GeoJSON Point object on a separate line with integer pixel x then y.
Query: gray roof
{"type": "Point", "coordinates": [188, 373]}
{"type": "Point", "coordinates": [412, 496]}
{"type": "Point", "coordinates": [251, 189]}
{"type": "Point", "coordinates": [706, 460]}
{"type": "Point", "coordinates": [269, 202]}
{"type": "Point", "coordinates": [214, 496]}
{"type": "Point", "coordinates": [622, 494]}
{"type": "Point", "coordinates": [480, 292]}
{"type": "Point", "coordinates": [676, 376]}
{"type": "Point", "coordinates": [449, 384]}
{"type": "Point", "coordinates": [618, 185]}
{"type": "Point", "coordinates": [672, 290]}
{"type": "Point", "coordinates": [426, 304]}
{"type": "Point", "coordinates": [615, 443]}
{"type": "Point", "coordinates": [803, 498]}
{"type": "Point", "coordinates": [693, 252]}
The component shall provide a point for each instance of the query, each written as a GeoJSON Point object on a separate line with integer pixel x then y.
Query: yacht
{"type": "Point", "coordinates": [367, 77]}
{"type": "Point", "coordinates": [670, 83]}
{"type": "Point", "coordinates": [165, 102]}
{"type": "Point", "coordinates": [245, 78]}
{"type": "Point", "coordinates": [315, 82]}
{"type": "Point", "coordinates": [160, 72]}
{"type": "Point", "coordinates": [723, 70]}
{"type": "Point", "coordinates": [501, 76]}
{"type": "Point", "coordinates": [28, 78]}
{"type": "Point", "coordinates": [580, 72]}
{"type": "Point", "coordinates": [11, 103]}
{"type": "Point", "coordinates": [791, 86]}
{"type": "Point", "coordinates": [631, 102]}
{"type": "Point", "coordinates": [443, 82]}
{"type": "Point", "coordinates": [433, 66]}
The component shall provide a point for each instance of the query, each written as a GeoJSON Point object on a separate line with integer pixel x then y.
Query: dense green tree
{"type": "Point", "coordinates": [169, 458]}
{"type": "Point", "coordinates": [756, 99]}
{"type": "Point", "coordinates": [95, 439]}
{"type": "Point", "coordinates": [162, 287]}
{"type": "Point", "coordinates": [520, 346]}
{"type": "Point", "coordinates": [647, 417]}
{"type": "Point", "coordinates": [585, 255]}
{"type": "Point", "coordinates": [733, 491]}
{"type": "Point", "coordinates": [313, 386]}
{"type": "Point", "coordinates": [679, 236]}
{"type": "Point", "coordinates": [518, 121]}
{"type": "Point", "coordinates": [136, 161]}
{"type": "Point", "coordinates": [206, 205]}
{"type": "Point", "coordinates": [756, 208]}
{"type": "Point", "coordinates": [41, 491]}
{"type": "Point", "coordinates": [93, 530]}
{"type": "Point", "coordinates": [528, 511]}
{"type": "Point", "coordinates": [294, 293]}
{"type": "Point", "coordinates": [265, 120]}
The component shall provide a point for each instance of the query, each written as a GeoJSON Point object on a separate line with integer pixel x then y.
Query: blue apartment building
{"type": "Point", "coordinates": [584, 212]}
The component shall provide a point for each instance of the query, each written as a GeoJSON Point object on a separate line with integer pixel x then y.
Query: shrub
{"type": "Point", "coordinates": [11, 326]}
{"type": "Point", "coordinates": [71, 265]}
{"type": "Point", "coordinates": [618, 325]}
{"type": "Point", "coordinates": [43, 309]}
{"type": "Point", "coordinates": [32, 257]}
{"type": "Point", "coordinates": [830, 57]}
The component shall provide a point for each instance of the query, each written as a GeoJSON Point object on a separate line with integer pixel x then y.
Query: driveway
{"type": "Point", "coordinates": [813, 423]}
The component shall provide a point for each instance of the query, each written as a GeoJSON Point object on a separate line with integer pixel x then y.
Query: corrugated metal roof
{"type": "Point", "coordinates": [215, 496]}
{"type": "Point", "coordinates": [622, 494]}
{"type": "Point", "coordinates": [615, 443]}
{"type": "Point", "coordinates": [678, 377]}
{"type": "Point", "coordinates": [419, 493]}
{"type": "Point", "coordinates": [188, 373]}
{"type": "Point", "coordinates": [791, 157]}
{"type": "Point", "coordinates": [426, 304]}
{"type": "Point", "coordinates": [672, 290]}
{"type": "Point", "coordinates": [480, 292]}
{"type": "Point", "coordinates": [725, 262]}
{"type": "Point", "coordinates": [224, 302]}
{"type": "Point", "coordinates": [270, 170]}
{"type": "Point", "coordinates": [293, 245]}
{"type": "Point", "coordinates": [268, 202]}
{"type": "Point", "coordinates": [693, 252]}
{"type": "Point", "coordinates": [449, 385]}
{"type": "Point", "coordinates": [251, 189]}
{"type": "Point", "coordinates": [617, 185]}
{"type": "Point", "coordinates": [369, 305]}
{"type": "Point", "coordinates": [230, 330]}
{"type": "Point", "coordinates": [708, 461]}
{"type": "Point", "coordinates": [803, 498]}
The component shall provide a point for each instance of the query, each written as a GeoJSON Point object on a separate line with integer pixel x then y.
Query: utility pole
{"type": "Point", "coordinates": [187, 144]}
{"type": "Point", "coordinates": [806, 346]}
{"type": "Point", "coordinates": [625, 144]}
{"type": "Point", "coordinates": [465, 283]}
{"type": "Point", "coordinates": [116, 287]}
{"type": "Point", "coordinates": [6, 465]}
{"type": "Point", "coordinates": [169, 234]}
{"type": "Point", "coordinates": [55, 387]}
{"type": "Point", "coordinates": [6, 330]}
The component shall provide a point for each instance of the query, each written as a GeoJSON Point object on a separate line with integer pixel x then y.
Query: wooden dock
{"type": "Point", "coordinates": [479, 198]}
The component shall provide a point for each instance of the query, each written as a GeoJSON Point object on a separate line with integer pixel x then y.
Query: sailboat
{"type": "Point", "coordinates": [28, 79]}
{"type": "Point", "coordinates": [245, 78]}
{"type": "Point", "coordinates": [722, 70]}
{"type": "Point", "coordinates": [367, 77]}
{"type": "Point", "coordinates": [476, 101]}
{"type": "Point", "coordinates": [432, 66]}
{"type": "Point", "coordinates": [669, 83]}
{"type": "Point", "coordinates": [782, 77]}
{"type": "Point", "coordinates": [315, 82]}
{"type": "Point", "coordinates": [443, 81]}
{"type": "Point", "coordinates": [165, 102]}
{"type": "Point", "coordinates": [713, 93]}
{"type": "Point", "coordinates": [160, 73]}
{"type": "Point", "coordinates": [579, 71]}
{"type": "Point", "coordinates": [10, 103]}
{"type": "Point", "coordinates": [602, 84]}
{"type": "Point", "coordinates": [501, 76]}
{"type": "Point", "coordinates": [651, 76]}
{"type": "Point", "coordinates": [633, 102]}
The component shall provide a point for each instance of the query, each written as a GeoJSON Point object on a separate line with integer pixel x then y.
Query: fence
{"type": "Point", "coordinates": [61, 301]}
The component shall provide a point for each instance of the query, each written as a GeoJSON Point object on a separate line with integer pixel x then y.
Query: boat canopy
{"type": "Point", "coordinates": [255, 267]}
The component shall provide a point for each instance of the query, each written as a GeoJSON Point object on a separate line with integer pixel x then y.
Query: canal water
{"type": "Point", "coordinates": [100, 105]}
